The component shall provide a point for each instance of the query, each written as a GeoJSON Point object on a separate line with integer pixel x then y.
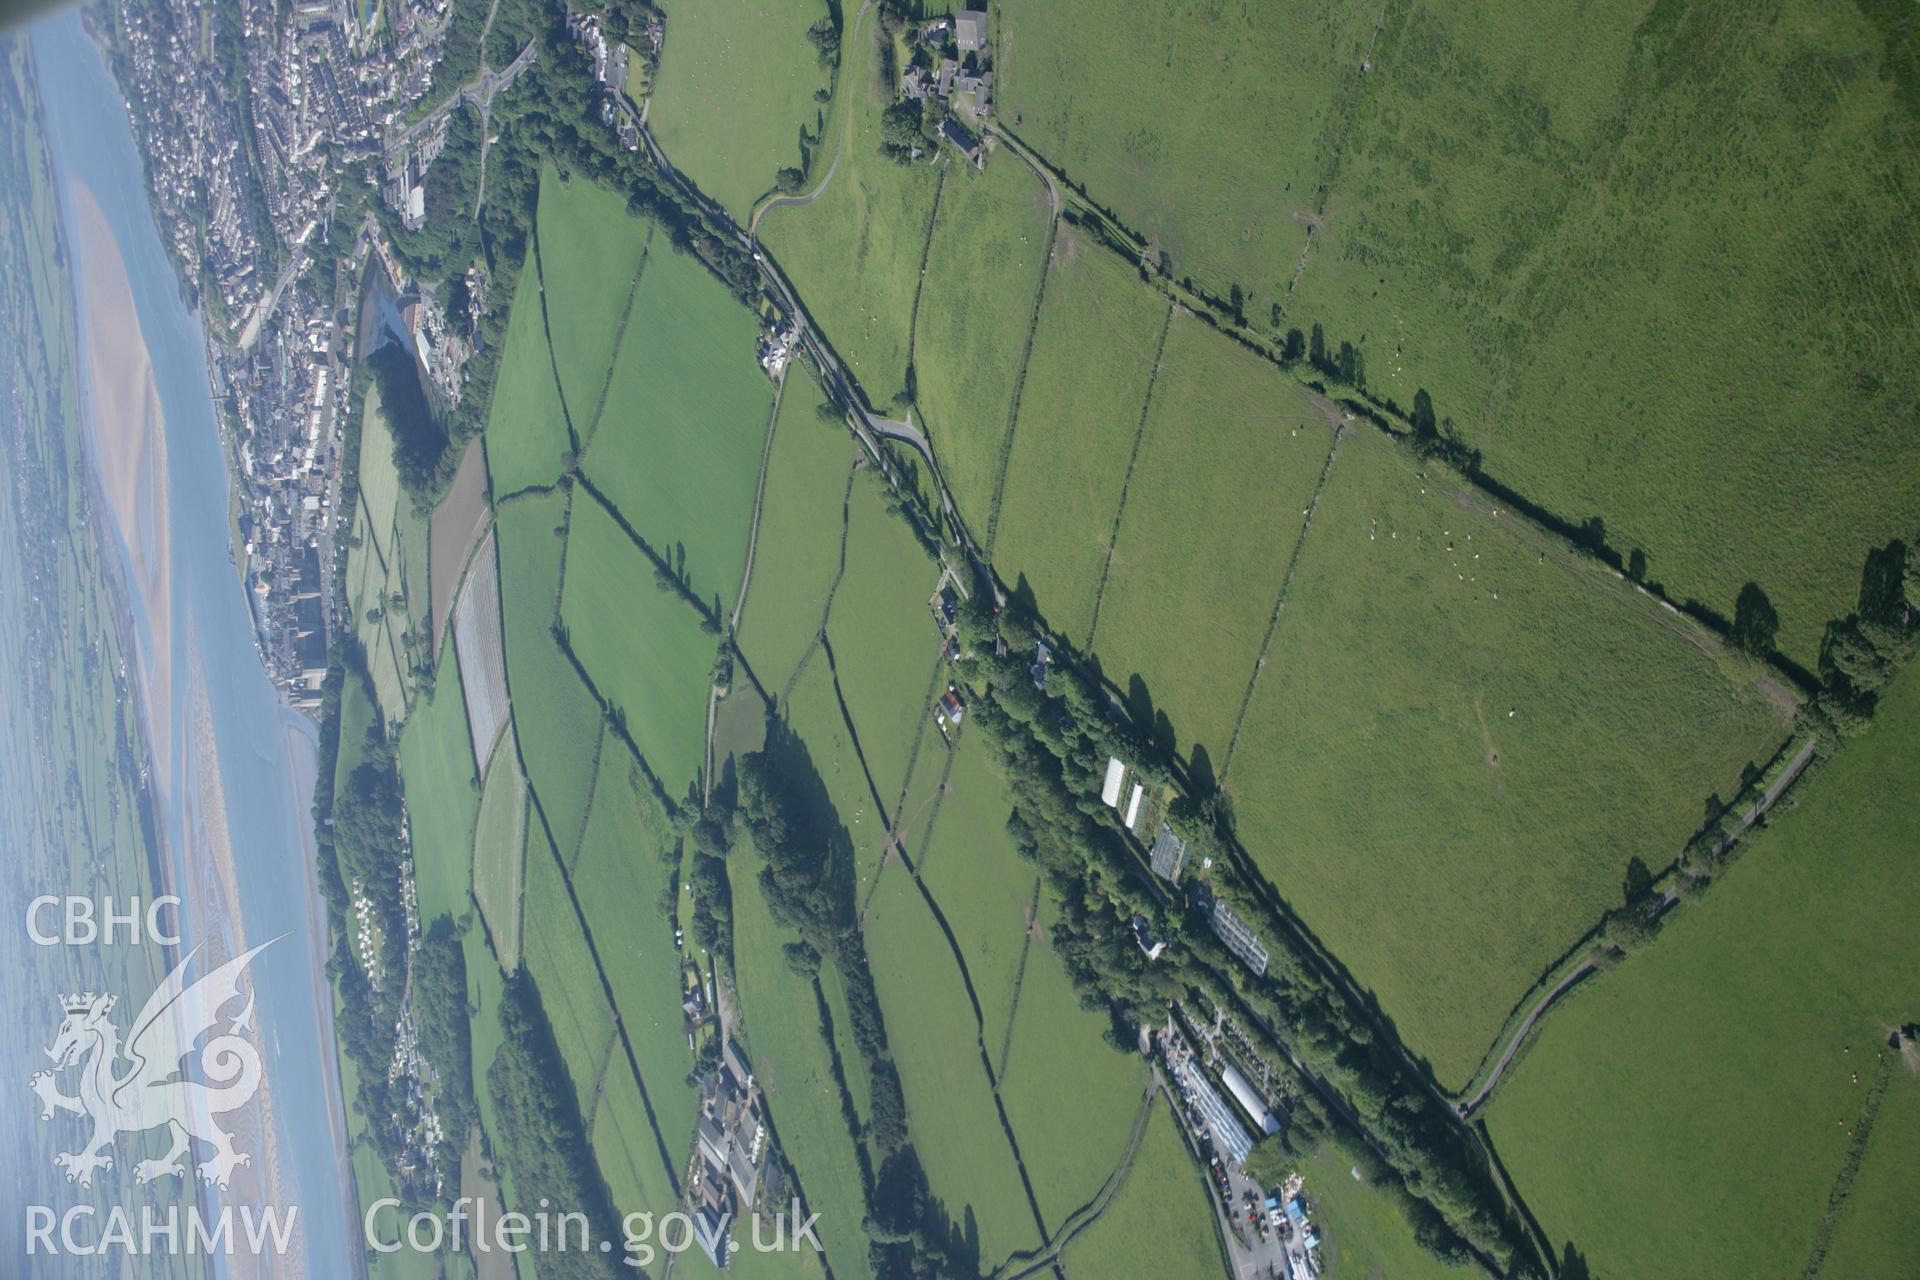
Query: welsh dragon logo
{"type": "Point", "coordinates": [138, 1085]}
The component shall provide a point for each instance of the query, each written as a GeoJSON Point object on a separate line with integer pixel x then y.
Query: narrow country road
{"type": "Point", "coordinates": [839, 150]}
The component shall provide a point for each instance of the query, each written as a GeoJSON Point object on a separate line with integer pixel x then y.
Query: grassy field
{"type": "Point", "coordinates": [557, 956]}
{"type": "Point", "coordinates": [1659, 267]}
{"type": "Point", "coordinates": [791, 1062]}
{"type": "Point", "coordinates": [884, 642]}
{"type": "Point", "coordinates": [499, 845]}
{"type": "Point", "coordinates": [984, 889]}
{"type": "Point", "coordinates": [1188, 600]}
{"type": "Point", "coordinates": [1161, 1223]}
{"type": "Point", "coordinates": [590, 251]}
{"type": "Point", "coordinates": [443, 795]}
{"type": "Point", "coordinates": [387, 573]}
{"type": "Point", "coordinates": [554, 713]}
{"type": "Point", "coordinates": [814, 713]}
{"type": "Point", "coordinates": [1707, 1090]}
{"type": "Point", "coordinates": [854, 254]}
{"type": "Point", "coordinates": [526, 426]}
{"type": "Point", "coordinates": [930, 1026]}
{"type": "Point", "coordinates": [1435, 764]}
{"type": "Point", "coordinates": [642, 645]}
{"type": "Point", "coordinates": [984, 268]}
{"type": "Point", "coordinates": [735, 85]}
{"type": "Point", "coordinates": [678, 448]}
{"type": "Point", "coordinates": [625, 1149]}
{"type": "Point", "coordinates": [1073, 1138]}
{"type": "Point", "coordinates": [1364, 1235]}
{"type": "Point", "coordinates": [1878, 1232]}
{"type": "Point", "coordinates": [618, 879]}
{"type": "Point", "coordinates": [1093, 356]}
{"type": "Point", "coordinates": [1206, 126]}
{"type": "Point", "coordinates": [798, 552]}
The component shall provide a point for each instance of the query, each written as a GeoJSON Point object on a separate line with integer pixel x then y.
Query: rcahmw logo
{"type": "Point", "coordinates": [133, 1085]}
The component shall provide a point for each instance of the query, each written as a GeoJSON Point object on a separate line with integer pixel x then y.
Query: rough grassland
{"type": "Point", "coordinates": [884, 642]}
{"type": "Point", "coordinates": [1072, 1136]}
{"type": "Point", "coordinates": [1445, 850]}
{"type": "Point", "coordinates": [1660, 264]}
{"type": "Point", "coordinates": [618, 879]}
{"type": "Point", "coordinates": [625, 1150]}
{"type": "Point", "coordinates": [443, 796]}
{"type": "Point", "coordinates": [1705, 1090]}
{"type": "Point", "coordinates": [735, 85]}
{"type": "Point", "coordinates": [590, 248]}
{"type": "Point", "coordinates": [678, 449]}
{"type": "Point", "coordinates": [554, 713]}
{"type": "Point", "coordinates": [1231, 456]}
{"type": "Point", "coordinates": [930, 1027]}
{"type": "Point", "coordinates": [526, 429]}
{"type": "Point", "coordinates": [798, 551]}
{"type": "Point", "coordinates": [814, 714]}
{"type": "Point", "coordinates": [854, 254]}
{"type": "Point", "coordinates": [1205, 125]}
{"type": "Point", "coordinates": [1364, 1234]}
{"type": "Point", "coordinates": [1161, 1222]}
{"type": "Point", "coordinates": [790, 1059]}
{"type": "Point", "coordinates": [499, 843]}
{"type": "Point", "coordinates": [983, 888]}
{"type": "Point", "coordinates": [558, 959]}
{"type": "Point", "coordinates": [1086, 385]}
{"type": "Point", "coordinates": [983, 268]}
{"type": "Point", "coordinates": [641, 643]}
{"type": "Point", "coordinates": [1878, 1231]}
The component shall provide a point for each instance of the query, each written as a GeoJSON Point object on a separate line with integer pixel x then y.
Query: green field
{"type": "Point", "coordinates": [387, 572]}
{"type": "Point", "coordinates": [1206, 125]}
{"type": "Point", "coordinates": [1878, 1232]}
{"type": "Point", "coordinates": [642, 645]}
{"type": "Point", "coordinates": [984, 889]}
{"type": "Point", "coordinates": [984, 268]}
{"type": "Point", "coordinates": [526, 438]}
{"type": "Point", "coordinates": [884, 643]}
{"type": "Point", "coordinates": [1707, 1090]}
{"type": "Point", "coordinates": [1451, 755]}
{"type": "Point", "coordinates": [626, 1151]}
{"type": "Point", "coordinates": [443, 794]}
{"type": "Point", "coordinates": [1071, 1138]}
{"type": "Point", "coordinates": [591, 249]}
{"type": "Point", "coordinates": [678, 448]}
{"type": "Point", "coordinates": [791, 1062]}
{"type": "Point", "coordinates": [558, 721]}
{"type": "Point", "coordinates": [854, 254]}
{"type": "Point", "coordinates": [931, 1029]}
{"type": "Point", "coordinates": [1189, 595]}
{"type": "Point", "coordinates": [797, 555]}
{"type": "Point", "coordinates": [1080, 410]}
{"type": "Point", "coordinates": [1161, 1223]}
{"type": "Point", "coordinates": [1660, 267]}
{"type": "Point", "coordinates": [557, 956]}
{"type": "Point", "coordinates": [499, 845]}
{"type": "Point", "coordinates": [814, 714]}
{"type": "Point", "coordinates": [735, 84]}
{"type": "Point", "coordinates": [618, 880]}
{"type": "Point", "coordinates": [1363, 1235]}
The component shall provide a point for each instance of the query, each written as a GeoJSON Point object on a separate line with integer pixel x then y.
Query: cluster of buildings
{"type": "Point", "coordinates": [729, 1150]}
{"type": "Point", "coordinates": [612, 64]}
{"type": "Point", "coordinates": [778, 342]}
{"type": "Point", "coordinates": [952, 71]}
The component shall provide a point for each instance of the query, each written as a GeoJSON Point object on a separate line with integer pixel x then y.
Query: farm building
{"type": "Point", "coordinates": [1249, 1099]}
{"type": "Point", "coordinates": [1220, 1120]}
{"type": "Point", "coordinates": [970, 30]}
{"type": "Point", "coordinates": [1133, 805]}
{"type": "Point", "coordinates": [965, 141]}
{"type": "Point", "coordinates": [1110, 789]}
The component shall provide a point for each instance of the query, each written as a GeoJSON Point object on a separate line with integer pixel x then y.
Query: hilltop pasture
{"type": "Point", "coordinates": [1434, 758]}
{"type": "Point", "coordinates": [1659, 267]}
{"type": "Point", "coordinates": [1208, 126]}
{"type": "Point", "coordinates": [735, 86]}
{"type": "Point", "coordinates": [1775, 995]}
